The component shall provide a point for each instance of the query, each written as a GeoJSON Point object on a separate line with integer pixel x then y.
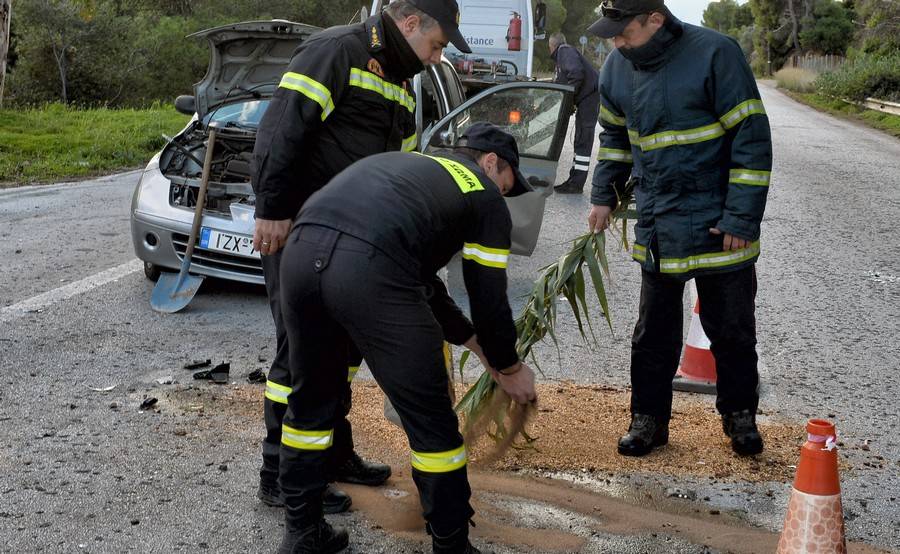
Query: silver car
{"type": "Point", "coordinates": [246, 64]}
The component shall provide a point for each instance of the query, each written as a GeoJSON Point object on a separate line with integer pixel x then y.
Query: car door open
{"type": "Point", "coordinates": [537, 115]}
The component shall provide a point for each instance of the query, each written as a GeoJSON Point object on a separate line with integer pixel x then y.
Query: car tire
{"type": "Point", "coordinates": [152, 271]}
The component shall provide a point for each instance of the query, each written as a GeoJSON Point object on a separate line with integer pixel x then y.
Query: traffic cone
{"type": "Point", "coordinates": [815, 518]}
{"type": "Point", "coordinates": [697, 372]}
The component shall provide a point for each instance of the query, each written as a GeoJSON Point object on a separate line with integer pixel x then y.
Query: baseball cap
{"type": "Point", "coordinates": [489, 138]}
{"type": "Point", "coordinates": [617, 14]}
{"type": "Point", "coordinates": [446, 13]}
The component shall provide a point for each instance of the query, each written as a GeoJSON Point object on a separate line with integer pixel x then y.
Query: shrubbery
{"type": "Point", "coordinates": [796, 79]}
{"type": "Point", "coordinates": [864, 76]}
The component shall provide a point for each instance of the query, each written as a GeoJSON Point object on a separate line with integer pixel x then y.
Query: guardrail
{"type": "Point", "coordinates": [892, 108]}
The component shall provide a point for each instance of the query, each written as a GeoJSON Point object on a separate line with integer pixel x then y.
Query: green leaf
{"type": "Point", "coordinates": [463, 358]}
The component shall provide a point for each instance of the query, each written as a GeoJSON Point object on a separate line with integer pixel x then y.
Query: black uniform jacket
{"type": "Point", "coordinates": [335, 104]}
{"type": "Point", "coordinates": [573, 69]}
{"type": "Point", "coordinates": [420, 211]}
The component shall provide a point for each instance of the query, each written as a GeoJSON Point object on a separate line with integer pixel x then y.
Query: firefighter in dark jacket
{"type": "Point", "coordinates": [573, 69]}
{"type": "Point", "coordinates": [344, 97]}
{"type": "Point", "coordinates": [682, 116]}
{"type": "Point", "coordinates": [360, 268]}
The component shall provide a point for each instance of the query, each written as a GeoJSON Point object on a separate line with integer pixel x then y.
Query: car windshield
{"type": "Point", "coordinates": [240, 114]}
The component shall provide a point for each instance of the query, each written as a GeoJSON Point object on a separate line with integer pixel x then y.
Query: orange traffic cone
{"type": "Point", "coordinates": [815, 518]}
{"type": "Point", "coordinates": [697, 372]}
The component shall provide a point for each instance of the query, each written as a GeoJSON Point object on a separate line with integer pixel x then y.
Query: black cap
{"type": "Point", "coordinates": [489, 138]}
{"type": "Point", "coordinates": [617, 14]}
{"type": "Point", "coordinates": [446, 13]}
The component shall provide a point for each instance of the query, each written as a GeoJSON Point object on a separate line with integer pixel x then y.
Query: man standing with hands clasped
{"type": "Point", "coordinates": [682, 115]}
{"type": "Point", "coordinates": [343, 97]}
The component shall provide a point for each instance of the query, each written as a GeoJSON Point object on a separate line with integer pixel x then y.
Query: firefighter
{"type": "Point", "coordinates": [573, 69]}
{"type": "Point", "coordinates": [360, 268]}
{"type": "Point", "coordinates": [682, 114]}
{"type": "Point", "coordinates": [344, 97]}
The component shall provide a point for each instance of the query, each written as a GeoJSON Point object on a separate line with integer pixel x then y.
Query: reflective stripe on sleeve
{"type": "Point", "coordinates": [439, 462]}
{"type": "Point", "coordinates": [638, 252]}
{"type": "Point", "coordinates": [708, 261]}
{"type": "Point", "coordinates": [681, 137]}
{"type": "Point", "coordinates": [370, 81]}
{"type": "Point", "coordinates": [351, 372]}
{"type": "Point", "coordinates": [609, 117]}
{"type": "Point", "coordinates": [750, 177]}
{"type": "Point", "coordinates": [410, 143]}
{"type": "Point", "coordinates": [306, 440]}
{"type": "Point", "coordinates": [312, 89]}
{"type": "Point", "coordinates": [489, 257]}
{"type": "Point", "coordinates": [742, 111]}
{"type": "Point", "coordinates": [615, 155]}
{"type": "Point", "coordinates": [277, 393]}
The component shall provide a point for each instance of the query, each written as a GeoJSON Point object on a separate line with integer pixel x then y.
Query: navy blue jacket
{"type": "Point", "coordinates": [691, 127]}
{"type": "Point", "coordinates": [573, 69]}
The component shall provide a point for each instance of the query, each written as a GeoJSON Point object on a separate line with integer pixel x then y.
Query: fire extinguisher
{"type": "Point", "coordinates": [514, 33]}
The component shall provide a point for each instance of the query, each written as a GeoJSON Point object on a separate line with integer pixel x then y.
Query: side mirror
{"type": "Point", "coordinates": [186, 104]}
{"type": "Point", "coordinates": [540, 20]}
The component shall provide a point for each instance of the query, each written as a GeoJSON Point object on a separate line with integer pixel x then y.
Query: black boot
{"type": "Point", "coordinates": [741, 428]}
{"type": "Point", "coordinates": [644, 434]}
{"type": "Point", "coordinates": [569, 187]}
{"type": "Point", "coordinates": [317, 538]}
{"type": "Point", "coordinates": [334, 501]}
{"type": "Point", "coordinates": [359, 471]}
{"type": "Point", "coordinates": [456, 542]}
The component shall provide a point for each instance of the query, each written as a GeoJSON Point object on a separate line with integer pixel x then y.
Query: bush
{"type": "Point", "coordinates": [796, 79]}
{"type": "Point", "coordinates": [864, 76]}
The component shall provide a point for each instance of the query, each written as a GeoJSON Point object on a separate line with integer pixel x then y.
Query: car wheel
{"type": "Point", "coordinates": [151, 271]}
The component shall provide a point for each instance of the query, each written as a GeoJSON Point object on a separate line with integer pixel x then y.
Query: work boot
{"type": "Point", "coordinates": [741, 428]}
{"type": "Point", "coordinates": [318, 538]}
{"type": "Point", "coordinates": [569, 187]}
{"type": "Point", "coordinates": [456, 542]}
{"type": "Point", "coordinates": [644, 434]}
{"type": "Point", "coordinates": [359, 471]}
{"type": "Point", "coordinates": [334, 501]}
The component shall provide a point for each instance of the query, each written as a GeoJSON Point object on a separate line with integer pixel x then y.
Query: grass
{"type": "Point", "coordinates": [879, 120]}
{"type": "Point", "coordinates": [55, 142]}
{"type": "Point", "coordinates": [796, 79]}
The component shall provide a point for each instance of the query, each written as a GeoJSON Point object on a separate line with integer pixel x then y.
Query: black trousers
{"type": "Point", "coordinates": [278, 386]}
{"type": "Point", "coordinates": [585, 125]}
{"type": "Point", "coordinates": [338, 291]}
{"type": "Point", "coordinates": [727, 305]}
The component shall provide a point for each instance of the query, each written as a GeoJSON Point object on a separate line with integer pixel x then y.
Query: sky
{"type": "Point", "coordinates": [690, 11]}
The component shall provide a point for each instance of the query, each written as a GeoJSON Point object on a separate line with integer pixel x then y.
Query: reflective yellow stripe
{"type": "Point", "coordinates": [277, 393]}
{"type": "Point", "coordinates": [410, 143]}
{"type": "Point", "coordinates": [490, 257]}
{"type": "Point", "coordinates": [439, 462]}
{"type": "Point", "coordinates": [306, 440]}
{"type": "Point", "coordinates": [634, 138]}
{"type": "Point", "coordinates": [707, 261]}
{"type": "Point", "coordinates": [639, 252]}
{"type": "Point", "coordinates": [681, 137]}
{"type": "Point", "coordinates": [609, 117]}
{"type": "Point", "coordinates": [465, 179]}
{"type": "Point", "coordinates": [741, 112]}
{"type": "Point", "coordinates": [312, 89]}
{"type": "Point", "coordinates": [750, 177]}
{"type": "Point", "coordinates": [370, 81]}
{"type": "Point", "coordinates": [351, 373]}
{"type": "Point", "coordinates": [615, 155]}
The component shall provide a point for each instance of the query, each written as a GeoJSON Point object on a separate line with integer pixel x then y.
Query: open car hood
{"type": "Point", "coordinates": [246, 60]}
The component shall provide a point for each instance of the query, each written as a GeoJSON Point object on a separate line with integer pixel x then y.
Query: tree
{"type": "Point", "coordinates": [830, 30]}
{"type": "Point", "coordinates": [5, 17]}
{"type": "Point", "coordinates": [727, 17]}
{"type": "Point", "coordinates": [766, 21]}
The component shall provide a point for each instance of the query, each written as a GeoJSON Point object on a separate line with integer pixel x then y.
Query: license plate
{"type": "Point", "coordinates": [239, 245]}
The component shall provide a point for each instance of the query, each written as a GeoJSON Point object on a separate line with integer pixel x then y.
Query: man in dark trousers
{"type": "Point", "coordinates": [344, 97]}
{"type": "Point", "coordinates": [573, 69]}
{"type": "Point", "coordinates": [682, 116]}
{"type": "Point", "coordinates": [360, 268]}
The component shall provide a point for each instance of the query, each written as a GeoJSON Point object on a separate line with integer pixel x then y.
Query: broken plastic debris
{"type": "Point", "coordinates": [257, 376]}
{"type": "Point", "coordinates": [197, 364]}
{"type": "Point", "coordinates": [148, 403]}
{"type": "Point", "coordinates": [102, 389]}
{"type": "Point", "coordinates": [218, 374]}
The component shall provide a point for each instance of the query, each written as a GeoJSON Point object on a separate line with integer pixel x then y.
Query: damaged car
{"type": "Point", "coordinates": [246, 63]}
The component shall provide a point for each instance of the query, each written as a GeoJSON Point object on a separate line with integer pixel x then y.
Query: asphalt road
{"type": "Point", "coordinates": [82, 470]}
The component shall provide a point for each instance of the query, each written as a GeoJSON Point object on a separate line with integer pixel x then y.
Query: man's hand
{"type": "Point", "coordinates": [270, 235]}
{"type": "Point", "coordinates": [730, 242]}
{"type": "Point", "coordinates": [519, 385]}
{"type": "Point", "coordinates": [598, 219]}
